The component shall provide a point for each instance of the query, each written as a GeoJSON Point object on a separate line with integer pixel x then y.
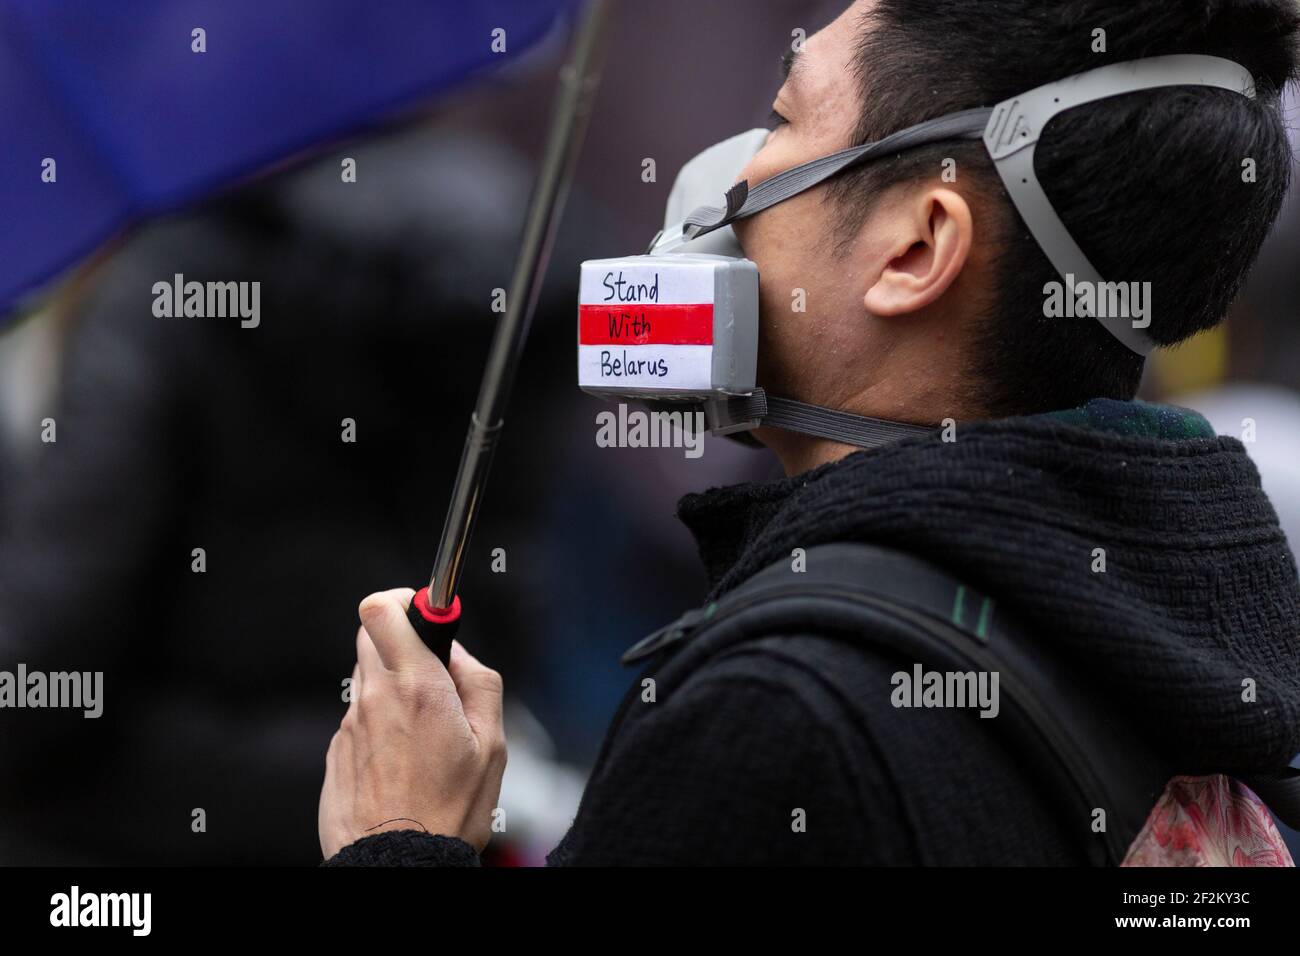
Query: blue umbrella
{"type": "Point", "coordinates": [115, 110]}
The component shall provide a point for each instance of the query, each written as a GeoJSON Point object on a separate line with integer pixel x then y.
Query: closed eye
{"type": "Point", "coordinates": [775, 120]}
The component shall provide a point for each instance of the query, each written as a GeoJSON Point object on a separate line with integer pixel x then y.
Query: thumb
{"type": "Point", "coordinates": [480, 691]}
{"type": "Point", "coordinates": [383, 615]}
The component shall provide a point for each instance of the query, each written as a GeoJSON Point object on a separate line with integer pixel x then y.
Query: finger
{"type": "Point", "coordinates": [338, 762]}
{"type": "Point", "coordinates": [369, 662]}
{"type": "Point", "coordinates": [383, 615]}
{"type": "Point", "coordinates": [354, 689]}
{"type": "Point", "coordinates": [336, 795]}
{"type": "Point", "coordinates": [339, 754]}
{"type": "Point", "coordinates": [480, 691]}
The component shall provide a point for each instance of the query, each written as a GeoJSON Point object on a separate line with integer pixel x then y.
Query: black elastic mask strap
{"type": "Point", "coordinates": [743, 202]}
{"type": "Point", "coordinates": [858, 430]}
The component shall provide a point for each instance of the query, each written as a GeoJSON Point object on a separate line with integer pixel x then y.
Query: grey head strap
{"type": "Point", "coordinates": [1016, 125]}
{"type": "Point", "coordinates": [1010, 131]}
{"type": "Point", "coordinates": [743, 202]}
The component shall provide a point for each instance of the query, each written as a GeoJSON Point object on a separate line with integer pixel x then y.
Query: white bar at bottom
{"type": "Point", "coordinates": [671, 367]}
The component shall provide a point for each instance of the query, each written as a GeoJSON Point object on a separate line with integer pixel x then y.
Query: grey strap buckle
{"type": "Point", "coordinates": [1015, 127]}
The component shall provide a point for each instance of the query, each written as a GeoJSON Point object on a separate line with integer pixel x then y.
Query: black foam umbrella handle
{"type": "Point", "coordinates": [436, 626]}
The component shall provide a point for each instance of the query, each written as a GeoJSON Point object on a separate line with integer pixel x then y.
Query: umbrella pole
{"type": "Point", "coordinates": [435, 610]}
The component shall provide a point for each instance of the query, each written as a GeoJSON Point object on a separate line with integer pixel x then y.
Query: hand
{"type": "Point", "coordinates": [421, 746]}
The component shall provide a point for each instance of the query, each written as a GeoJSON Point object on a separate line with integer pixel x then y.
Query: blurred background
{"type": "Point", "coordinates": [222, 688]}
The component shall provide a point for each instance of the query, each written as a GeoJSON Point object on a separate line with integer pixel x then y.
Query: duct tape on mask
{"type": "Point", "coordinates": [679, 326]}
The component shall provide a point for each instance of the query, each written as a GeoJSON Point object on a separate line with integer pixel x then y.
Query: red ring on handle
{"type": "Point", "coordinates": [436, 615]}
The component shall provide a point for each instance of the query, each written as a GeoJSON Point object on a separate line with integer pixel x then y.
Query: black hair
{"type": "Point", "coordinates": [1151, 185]}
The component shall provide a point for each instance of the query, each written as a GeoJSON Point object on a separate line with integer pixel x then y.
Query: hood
{"type": "Point", "coordinates": [1198, 603]}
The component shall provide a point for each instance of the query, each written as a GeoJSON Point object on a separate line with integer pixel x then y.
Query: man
{"type": "Point", "coordinates": [1135, 545]}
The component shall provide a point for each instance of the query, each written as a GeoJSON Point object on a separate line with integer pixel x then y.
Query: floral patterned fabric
{"type": "Point", "coordinates": [1208, 821]}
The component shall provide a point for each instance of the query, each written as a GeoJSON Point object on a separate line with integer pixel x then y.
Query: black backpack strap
{"type": "Point", "coordinates": [910, 608]}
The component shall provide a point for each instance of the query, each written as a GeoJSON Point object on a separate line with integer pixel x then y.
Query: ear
{"type": "Point", "coordinates": [930, 242]}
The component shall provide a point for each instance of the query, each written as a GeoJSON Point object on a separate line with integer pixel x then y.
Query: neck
{"type": "Point", "coordinates": [799, 453]}
{"type": "Point", "coordinates": [922, 401]}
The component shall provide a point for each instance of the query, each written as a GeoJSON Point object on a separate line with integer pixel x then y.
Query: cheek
{"type": "Point", "coordinates": [758, 168]}
{"type": "Point", "coordinates": [765, 240]}
{"type": "Point", "coordinates": [780, 271]}
{"type": "Point", "coordinates": [757, 244]}
{"type": "Point", "coordinates": [783, 150]}
{"type": "Point", "coordinates": [780, 243]}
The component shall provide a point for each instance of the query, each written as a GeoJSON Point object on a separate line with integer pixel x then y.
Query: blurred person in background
{"type": "Point", "coordinates": [183, 434]}
{"type": "Point", "coordinates": [178, 434]}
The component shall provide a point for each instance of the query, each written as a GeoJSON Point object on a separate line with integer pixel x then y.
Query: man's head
{"type": "Point", "coordinates": [924, 293]}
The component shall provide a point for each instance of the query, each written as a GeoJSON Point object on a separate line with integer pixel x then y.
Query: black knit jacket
{"type": "Point", "coordinates": [1198, 595]}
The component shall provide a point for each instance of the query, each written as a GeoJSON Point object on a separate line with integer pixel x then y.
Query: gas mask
{"type": "Point", "coordinates": [679, 325]}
